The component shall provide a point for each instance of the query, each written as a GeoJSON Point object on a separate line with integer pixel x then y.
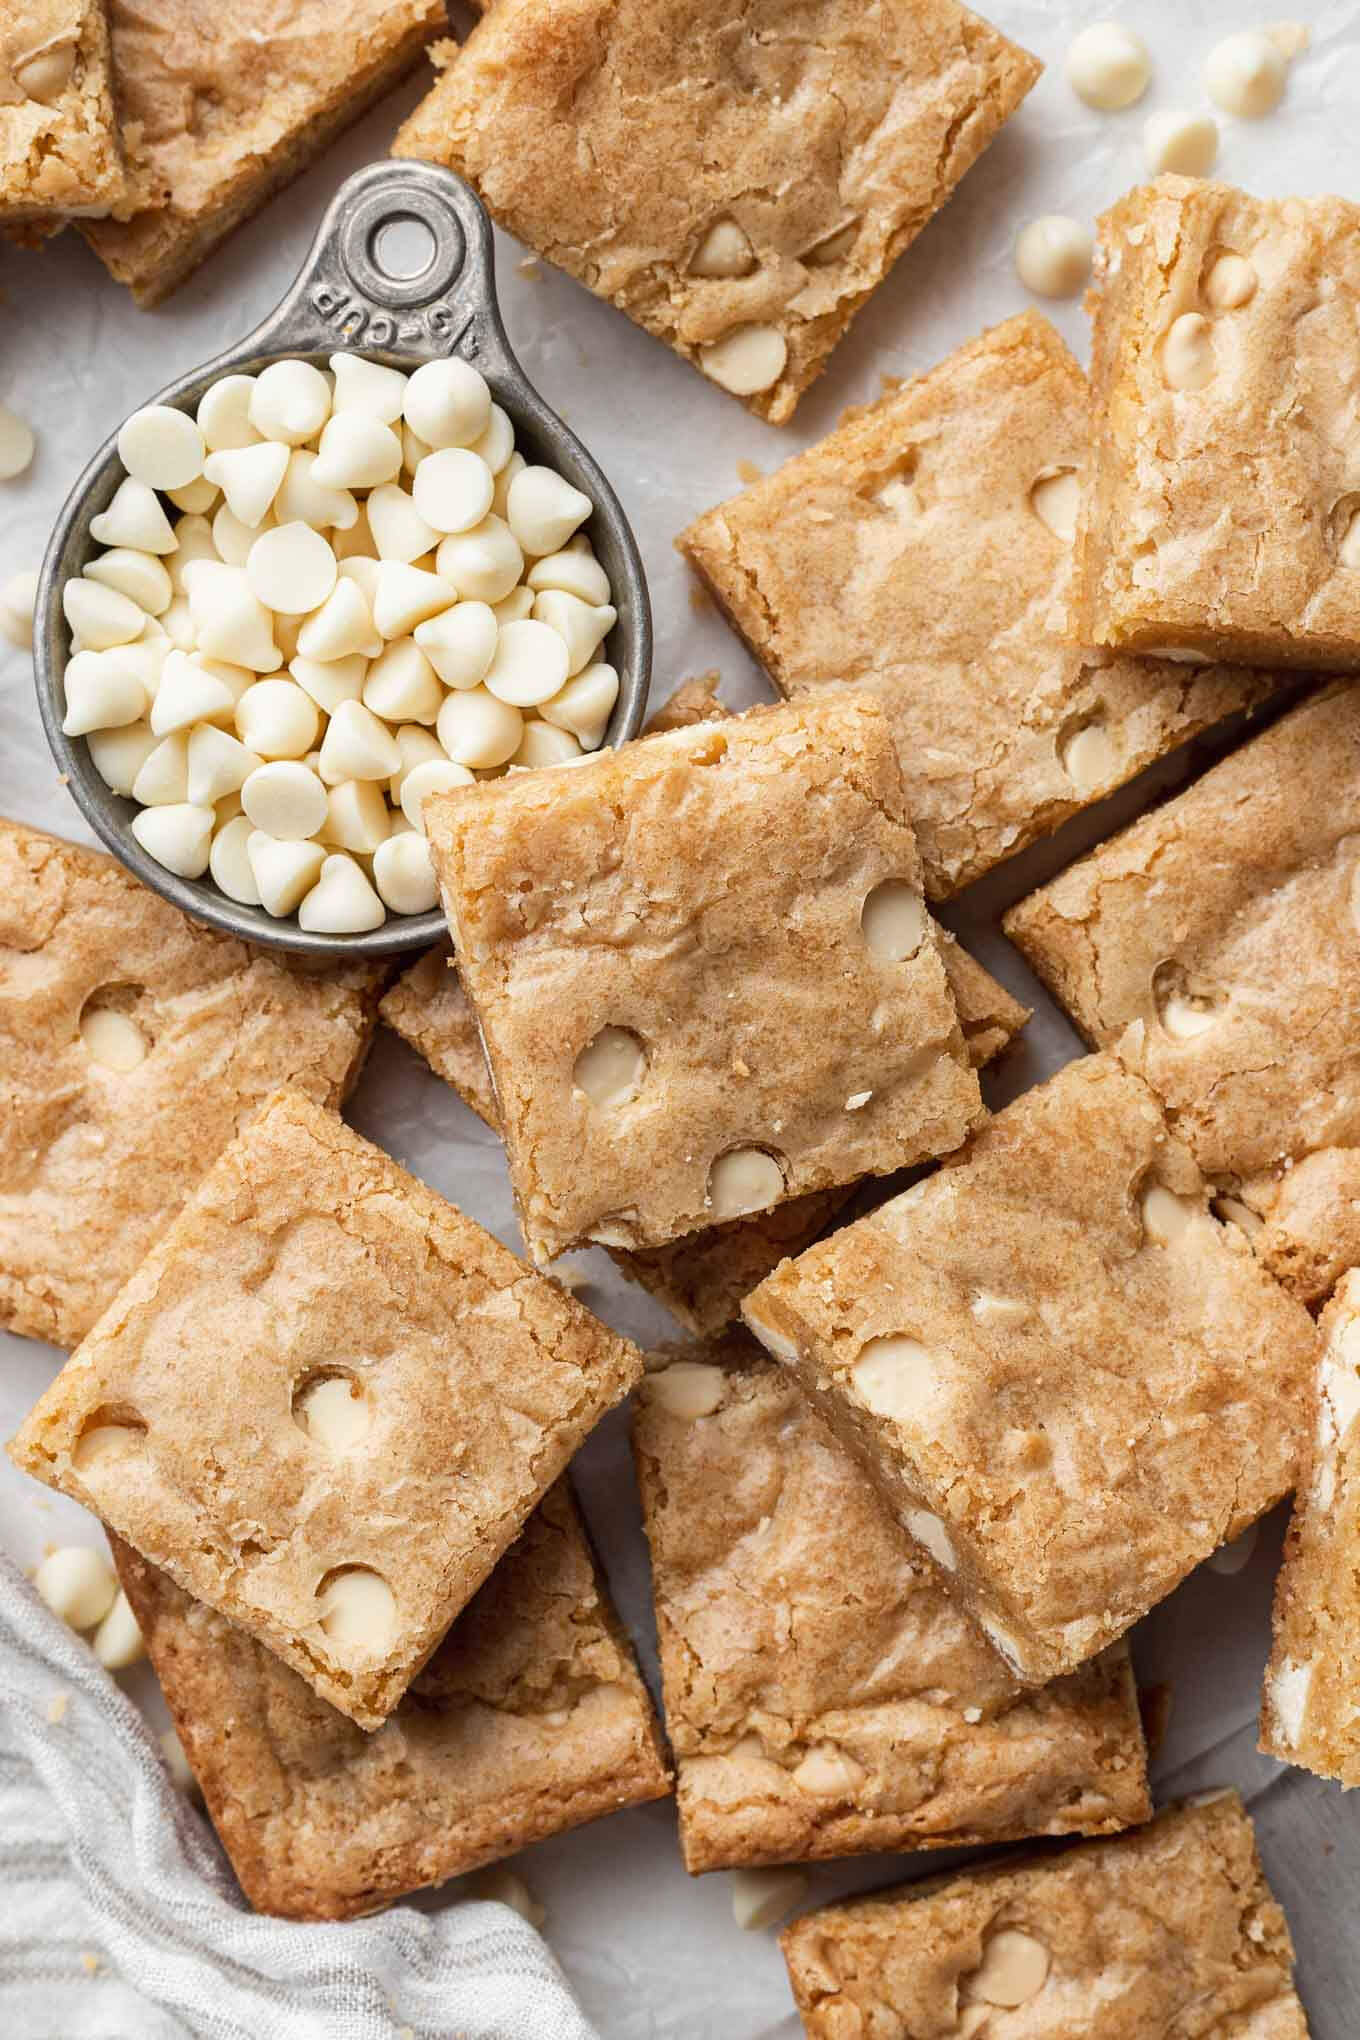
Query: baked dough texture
{"type": "Point", "coordinates": [1225, 383]}
{"type": "Point", "coordinates": [230, 104]}
{"type": "Point", "coordinates": [1070, 1382]}
{"type": "Point", "coordinates": [700, 895]}
{"type": "Point", "coordinates": [1214, 946]}
{"type": "Point", "coordinates": [530, 1718]}
{"type": "Point", "coordinates": [60, 152]}
{"type": "Point", "coordinates": [921, 554]}
{"type": "Point", "coordinates": [95, 1161]}
{"type": "Point", "coordinates": [824, 1696]}
{"type": "Point", "coordinates": [808, 141]}
{"type": "Point", "coordinates": [307, 1257]}
{"type": "Point", "coordinates": [1172, 1929]}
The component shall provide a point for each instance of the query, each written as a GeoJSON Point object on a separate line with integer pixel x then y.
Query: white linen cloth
{"type": "Point", "coordinates": [120, 1921]}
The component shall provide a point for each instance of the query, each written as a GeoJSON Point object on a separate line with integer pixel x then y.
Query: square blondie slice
{"type": "Point", "coordinates": [921, 554]}
{"type": "Point", "coordinates": [60, 151]}
{"type": "Point", "coordinates": [1170, 1930]}
{"type": "Point", "coordinates": [735, 176]}
{"type": "Point", "coordinates": [1214, 946]}
{"type": "Point", "coordinates": [134, 1043]}
{"type": "Point", "coordinates": [1311, 1710]}
{"type": "Point", "coordinates": [824, 1696]}
{"type": "Point", "coordinates": [326, 1403]}
{"type": "Point", "coordinates": [1070, 1382]}
{"type": "Point", "coordinates": [704, 975]}
{"type": "Point", "coordinates": [701, 1278]}
{"type": "Point", "coordinates": [530, 1718]}
{"type": "Point", "coordinates": [231, 105]}
{"type": "Point", "coordinates": [1222, 518]}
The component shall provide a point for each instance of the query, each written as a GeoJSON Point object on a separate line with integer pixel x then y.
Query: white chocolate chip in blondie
{"type": "Point", "coordinates": [1166, 1217]}
{"type": "Point", "coordinates": [610, 1068]}
{"type": "Point", "coordinates": [1245, 74]}
{"type": "Point", "coordinates": [1232, 1211]}
{"type": "Point", "coordinates": [1014, 1969]}
{"type": "Point", "coordinates": [833, 247]}
{"type": "Point", "coordinates": [1345, 525]}
{"type": "Point", "coordinates": [1088, 755]}
{"type": "Point", "coordinates": [333, 1410]}
{"type": "Point", "coordinates": [724, 251]}
{"type": "Point", "coordinates": [1184, 143]}
{"type": "Point", "coordinates": [688, 1389]}
{"type": "Point", "coordinates": [893, 919]}
{"type": "Point", "coordinates": [1053, 255]}
{"type": "Point", "coordinates": [744, 1179]}
{"type": "Point", "coordinates": [1055, 499]}
{"type": "Point", "coordinates": [1188, 353]}
{"type": "Point", "coordinates": [1108, 66]}
{"type": "Point", "coordinates": [761, 1898]}
{"type": "Point", "coordinates": [826, 1772]}
{"type": "Point", "coordinates": [45, 75]}
{"type": "Point", "coordinates": [895, 1376]}
{"type": "Point", "coordinates": [358, 1611]}
{"type": "Point", "coordinates": [1229, 282]}
{"type": "Point", "coordinates": [107, 1440]}
{"type": "Point", "coordinates": [111, 1038]}
{"type": "Point", "coordinates": [1288, 1693]}
{"type": "Point", "coordinates": [998, 1310]}
{"type": "Point", "coordinates": [747, 360]}
{"type": "Point", "coordinates": [928, 1530]}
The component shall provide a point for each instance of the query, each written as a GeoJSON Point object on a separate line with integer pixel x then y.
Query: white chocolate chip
{"type": "Point", "coordinates": [102, 693]}
{"type": "Point", "coordinates": [229, 862]}
{"type": "Point", "coordinates": [895, 1376]}
{"type": "Point", "coordinates": [284, 798]}
{"type": "Point", "coordinates": [161, 447]}
{"type": "Point", "coordinates": [500, 502]}
{"type": "Point", "coordinates": [1231, 1559]}
{"type": "Point", "coordinates": [77, 1584]}
{"type": "Point", "coordinates": [893, 919]}
{"type": "Point", "coordinates": [230, 620]}
{"type": "Point", "coordinates": [233, 539]}
{"type": "Point", "coordinates": [478, 730]}
{"type": "Point", "coordinates": [1245, 74]}
{"type": "Point", "coordinates": [543, 746]}
{"type": "Point", "coordinates": [112, 1039]}
{"type": "Point", "coordinates": [357, 817]}
{"type": "Point", "coordinates": [1108, 66]}
{"type": "Point", "coordinates": [452, 489]}
{"type": "Point", "coordinates": [197, 497]}
{"type": "Point", "coordinates": [402, 685]}
{"type": "Point", "coordinates": [250, 478]}
{"type": "Point", "coordinates": [163, 778]}
{"type": "Point", "coordinates": [119, 755]}
{"type": "Point", "coordinates": [438, 775]}
{"type": "Point", "coordinates": [100, 617]}
{"type": "Point", "coordinates": [283, 872]}
{"type": "Point", "coordinates": [17, 597]}
{"type": "Point", "coordinates": [744, 1179]}
{"type": "Point", "coordinates": [188, 693]}
{"type": "Point", "coordinates": [828, 1773]}
{"type": "Point", "coordinates": [1014, 1969]}
{"type": "Point", "coordinates": [1232, 1211]}
{"type": "Point", "coordinates": [178, 836]}
{"type": "Point", "coordinates": [1186, 143]}
{"type": "Point", "coordinates": [1230, 283]}
{"type": "Point", "coordinates": [1288, 1694]}
{"type": "Point", "coordinates": [575, 573]}
{"type": "Point", "coordinates": [1055, 499]}
{"type": "Point", "coordinates": [1346, 521]}
{"type": "Point", "coordinates": [928, 1530]}
{"type": "Point", "coordinates": [357, 746]}
{"type": "Point", "coordinates": [358, 1609]}
{"type": "Point", "coordinates": [404, 875]}
{"type": "Point", "coordinates": [290, 402]}
{"type": "Point", "coordinates": [543, 510]}
{"type": "Point", "coordinates": [118, 1640]}
{"type": "Point", "coordinates": [585, 705]}
{"type": "Point", "coordinates": [496, 445]}
{"type": "Point", "coordinates": [460, 642]}
{"type": "Point", "coordinates": [334, 1412]}
{"type": "Point", "coordinates": [1188, 353]}
{"type": "Point", "coordinates": [582, 626]}
{"type": "Point", "coordinates": [223, 414]}
{"type": "Point", "coordinates": [761, 1898]}
{"type": "Point", "coordinates": [833, 247]}
{"type": "Point", "coordinates": [218, 764]}
{"type": "Point", "coordinates": [342, 902]}
{"type": "Point", "coordinates": [138, 575]}
{"type": "Point", "coordinates": [610, 1068]}
{"type": "Point", "coordinates": [1088, 756]}
{"type": "Point", "coordinates": [688, 1389]}
{"type": "Point", "coordinates": [341, 627]}
{"type": "Point", "coordinates": [277, 719]}
{"type": "Point", "coordinates": [357, 452]}
{"type": "Point", "coordinates": [177, 1764]}
{"type": "Point", "coordinates": [998, 1310]}
{"type": "Point", "coordinates": [134, 518]}
{"type": "Point", "coordinates": [406, 596]}
{"type": "Point", "coordinates": [45, 76]}
{"type": "Point", "coordinates": [447, 403]}
{"type": "Point", "coordinates": [1166, 1217]}
{"type": "Point", "coordinates": [724, 251]}
{"type": "Point", "coordinates": [1053, 256]}
{"type": "Point", "coordinates": [104, 1445]}
{"type": "Point", "coordinates": [368, 386]}
{"type": "Point", "coordinates": [530, 664]}
{"type": "Point", "coordinates": [747, 360]}
{"type": "Point", "coordinates": [418, 747]}
{"type": "Point", "coordinates": [484, 563]}
{"type": "Point", "coordinates": [399, 530]}
{"type": "Point", "coordinates": [16, 445]}
{"type": "Point", "coordinates": [331, 681]}
{"type": "Point", "coordinates": [504, 1887]}
{"type": "Point", "coordinates": [517, 607]}
{"type": "Point", "coordinates": [1184, 1015]}
{"type": "Point", "coordinates": [302, 499]}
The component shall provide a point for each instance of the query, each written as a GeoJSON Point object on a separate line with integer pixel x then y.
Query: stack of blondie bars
{"type": "Point", "coordinates": [938, 1440]}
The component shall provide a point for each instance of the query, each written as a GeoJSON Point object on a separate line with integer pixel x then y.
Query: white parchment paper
{"type": "Point", "coordinates": [653, 1954]}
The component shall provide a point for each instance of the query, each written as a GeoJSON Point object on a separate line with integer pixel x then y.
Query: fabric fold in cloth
{"type": "Point", "coordinates": [121, 1917]}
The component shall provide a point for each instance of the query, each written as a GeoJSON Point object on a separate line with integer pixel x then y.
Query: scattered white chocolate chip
{"type": "Point", "coordinates": [747, 360]}
{"type": "Point", "coordinates": [496, 445]}
{"type": "Point", "coordinates": [1347, 524]}
{"type": "Point", "coordinates": [218, 764]}
{"type": "Point", "coordinates": [119, 755]}
{"type": "Point", "coordinates": [77, 1584]}
{"type": "Point", "coordinates": [17, 597]}
{"type": "Point", "coordinates": [893, 919]}
{"type": "Point", "coordinates": [1230, 283]}
{"type": "Point", "coordinates": [358, 1610]}
{"type": "Point", "coordinates": [724, 251]}
{"type": "Point", "coordinates": [1055, 499]}
{"type": "Point", "coordinates": [688, 1389]}
{"type": "Point", "coordinates": [504, 1887]}
{"type": "Point", "coordinates": [197, 497]}
{"type": "Point", "coordinates": [356, 746]}
{"type": "Point", "coordinates": [1186, 143]}
{"type": "Point", "coordinates": [1108, 66]}
{"type": "Point", "coordinates": [1245, 74]}
{"type": "Point", "coordinates": [998, 1310]}
{"type": "Point", "coordinates": [761, 1898]}
{"type": "Point", "coordinates": [406, 596]}
{"type": "Point", "coordinates": [1288, 1695]}
{"type": "Point", "coordinates": [895, 1376]}
{"type": "Point", "coordinates": [357, 817]}
{"type": "Point", "coordinates": [161, 447]}
{"type": "Point", "coordinates": [744, 1179]}
{"type": "Point", "coordinates": [118, 1640]}
{"type": "Point", "coordinates": [1014, 1969]}
{"type": "Point", "coordinates": [16, 444]}
{"type": "Point", "coordinates": [1053, 255]}
{"type": "Point", "coordinates": [106, 1444]}
{"type": "Point", "coordinates": [331, 681]}
{"type": "Point", "coordinates": [582, 626]}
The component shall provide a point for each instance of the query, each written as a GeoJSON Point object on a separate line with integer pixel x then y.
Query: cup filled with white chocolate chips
{"type": "Point", "coordinates": [320, 588]}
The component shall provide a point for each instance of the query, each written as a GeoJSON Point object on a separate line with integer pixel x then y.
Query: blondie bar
{"type": "Point", "coordinates": [824, 1696]}
{"type": "Point", "coordinates": [1311, 1714]}
{"type": "Point", "coordinates": [1169, 1930]}
{"type": "Point", "coordinates": [133, 1044]}
{"type": "Point", "coordinates": [60, 152]}
{"type": "Point", "coordinates": [921, 554]}
{"type": "Point", "coordinates": [531, 1717]}
{"type": "Point", "coordinates": [736, 178]}
{"type": "Point", "coordinates": [1070, 1382]}
{"type": "Point", "coordinates": [1221, 518]}
{"type": "Point", "coordinates": [229, 106]}
{"type": "Point", "coordinates": [704, 974]}
{"type": "Point", "coordinates": [1214, 946]}
{"type": "Point", "coordinates": [326, 1403]}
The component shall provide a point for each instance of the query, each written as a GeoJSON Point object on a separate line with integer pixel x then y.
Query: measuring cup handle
{"type": "Point", "coordinates": [343, 296]}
